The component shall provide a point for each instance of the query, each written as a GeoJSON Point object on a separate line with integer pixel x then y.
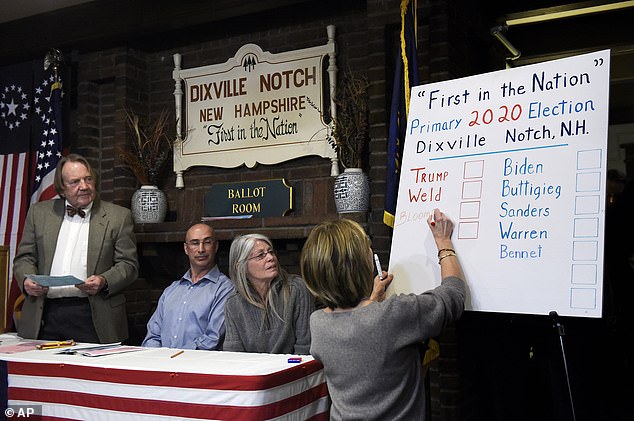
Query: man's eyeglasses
{"type": "Point", "coordinates": [196, 243]}
{"type": "Point", "coordinates": [262, 255]}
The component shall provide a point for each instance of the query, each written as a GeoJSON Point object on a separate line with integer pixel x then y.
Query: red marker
{"type": "Point", "coordinates": [433, 219]}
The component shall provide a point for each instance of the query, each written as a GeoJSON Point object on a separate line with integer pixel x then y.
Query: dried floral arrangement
{"type": "Point", "coordinates": [150, 147]}
{"type": "Point", "coordinates": [350, 126]}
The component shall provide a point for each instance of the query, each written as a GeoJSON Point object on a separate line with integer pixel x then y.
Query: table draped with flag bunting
{"type": "Point", "coordinates": [150, 384]}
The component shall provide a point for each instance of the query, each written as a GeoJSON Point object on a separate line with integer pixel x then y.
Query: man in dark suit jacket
{"type": "Point", "coordinates": [83, 236]}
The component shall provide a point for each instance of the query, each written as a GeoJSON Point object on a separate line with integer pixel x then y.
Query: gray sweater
{"type": "Point", "coordinates": [371, 354]}
{"type": "Point", "coordinates": [251, 329]}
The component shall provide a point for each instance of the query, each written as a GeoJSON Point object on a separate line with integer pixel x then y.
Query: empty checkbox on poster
{"type": "Point", "coordinates": [588, 181]}
{"type": "Point", "coordinates": [469, 210]}
{"type": "Point", "coordinates": [471, 189]}
{"type": "Point", "coordinates": [586, 227]}
{"type": "Point", "coordinates": [585, 250]}
{"type": "Point", "coordinates": [587, 205]}
{"type": "Point", "coordinates": [584, 274]}
{"type": "Point", "coordinates": [474, 169]}
{"type": "Point", "coordinates": [468, 230]}
{"type": "Point", "coordinates": [583, 298]}
{"type": "Point", "coordinates": [590, 159]}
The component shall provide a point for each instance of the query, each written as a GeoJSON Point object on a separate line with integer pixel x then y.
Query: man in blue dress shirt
{"type": "Point", "coordinates": [190, 312]}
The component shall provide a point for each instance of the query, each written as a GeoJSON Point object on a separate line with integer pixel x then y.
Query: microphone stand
{"type": "Point", "coordinates": [560, 331]}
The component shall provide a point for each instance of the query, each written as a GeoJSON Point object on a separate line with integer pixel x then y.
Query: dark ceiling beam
{"type": "Point", "coordinates": [102, 24]}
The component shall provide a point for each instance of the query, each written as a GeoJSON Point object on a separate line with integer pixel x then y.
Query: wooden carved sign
{"type": "Point", "coordinates": [257, 107]}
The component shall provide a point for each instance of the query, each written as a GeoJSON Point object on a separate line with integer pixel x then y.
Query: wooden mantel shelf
{"type": "Point", "coordinates": [284, 227]}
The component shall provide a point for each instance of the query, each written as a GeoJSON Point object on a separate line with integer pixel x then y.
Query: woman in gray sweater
{"type": "Point", "coordinates": [271, 309]}
{"type": "Point", "coordinates": [369, 345]}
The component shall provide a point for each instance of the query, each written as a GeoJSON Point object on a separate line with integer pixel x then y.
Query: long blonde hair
{"type": "Point", "coordinates": [336, 263]}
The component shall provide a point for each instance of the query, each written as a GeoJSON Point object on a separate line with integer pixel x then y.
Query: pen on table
{"type": "Point", "coordinates": [295, 360]}
{"type": "Point", "coordinates": [378, 266]}
{"type": "Point", "coordinates": [177, 354]}
{"type": "Point", "coordinates": [55, 344]}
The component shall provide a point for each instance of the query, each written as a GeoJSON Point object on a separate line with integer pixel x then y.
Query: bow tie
{"type": "Point", "coordinates": [71, 211]}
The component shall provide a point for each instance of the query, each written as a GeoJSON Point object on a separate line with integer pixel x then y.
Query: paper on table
{"type": "Point", "coordinates": [109, 351]}
{"type": "Point", "coordinates": [55, 281]}
{"type": "Point", "coordinates": [99, 350]}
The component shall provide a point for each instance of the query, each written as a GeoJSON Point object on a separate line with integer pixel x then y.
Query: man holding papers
{"type": "Point", "coordinates": [87, 238]}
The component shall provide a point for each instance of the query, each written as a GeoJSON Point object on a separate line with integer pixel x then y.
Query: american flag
{"type": "Point", "coordinates": [48, 106]}
{"type": "Point", "coordinates": [30, 146]}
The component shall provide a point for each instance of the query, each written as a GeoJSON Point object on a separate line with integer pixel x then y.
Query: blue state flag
{"type": "Point", "coordinates": [405, 77]}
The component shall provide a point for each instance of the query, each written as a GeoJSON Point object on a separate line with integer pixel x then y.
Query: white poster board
{"type": "Point", "coordinates": [517, 159]}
